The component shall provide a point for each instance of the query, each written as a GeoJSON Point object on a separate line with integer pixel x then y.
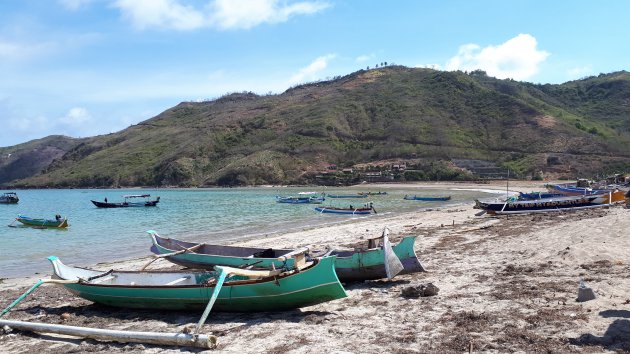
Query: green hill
{"type": "Point", "coordinates": [422, 116]}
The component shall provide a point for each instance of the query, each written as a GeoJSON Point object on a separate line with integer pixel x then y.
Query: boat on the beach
{"type": "Point", "coordinates": [243, 290]}
{"type": "Point", "coordinates": [544, 205]}
{"type": "Point", "coordinates": [133, 200]}
{"type": "Point", "coordinates": [364, 263]}
{"type": "Point", "coordinates": [615, 194]}
{"type": "Point", "coordinates": [57, 222]}
{"type": "Point", "coordinates": [368, 263]}
{"type": "Point", "coordinates": [9, 198]}
{"type": "Point", "coordinates": [358, 195]}
{"type": "Point", "coordinates": [206, 256]}
{"type": "Point", "coordinates": [429, 199]}
{"type": "Point", "coordinates": [365, 210]}
{"type": "Point", "coordinates": [537, 195]}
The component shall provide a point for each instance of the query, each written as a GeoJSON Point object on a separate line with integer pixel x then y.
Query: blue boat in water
{"type": "Point", "coordinates": [428, 199]}
{"type": "Point", "coordinates": [302, 198]}
{"type": "Point", "coordinates": [347, 195]}
{"type": "Point", "coordinates": [364, 210]}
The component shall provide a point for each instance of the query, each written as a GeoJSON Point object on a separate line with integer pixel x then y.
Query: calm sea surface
{"type": "Point", "coordinates": [199, 215]}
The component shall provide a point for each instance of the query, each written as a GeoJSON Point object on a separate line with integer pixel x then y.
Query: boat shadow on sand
{"type": "Point", "coordinates": [616, 337]}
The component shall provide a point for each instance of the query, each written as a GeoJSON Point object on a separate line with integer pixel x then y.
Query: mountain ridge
{"type": "Point", "coordinates": [581, 127]}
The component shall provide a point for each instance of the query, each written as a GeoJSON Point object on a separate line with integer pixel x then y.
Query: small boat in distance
{"type": "Point", "coordinates": [57, 222]}
{"type": "Point", "coordinates": [130, 201]}
{"type": "Point", "coordinates": [428, 199]}
{"type": "Point", "coordinates": [364, 210]}
{"type": "Point", "coordinates": [300, 200]}
{"type": "Point", "coordinates": [358, 195]}
{"type": "Point", "coordinates": [9, 198]}
{"type": "Point", "coordinates": [373, 193]}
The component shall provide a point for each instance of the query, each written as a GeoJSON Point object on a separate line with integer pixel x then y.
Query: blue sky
{"type": "Point", "coordinates": [88, 67]}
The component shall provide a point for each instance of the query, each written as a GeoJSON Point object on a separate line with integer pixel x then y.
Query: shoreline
{"type": "Point", "coordinates": [506, 284]}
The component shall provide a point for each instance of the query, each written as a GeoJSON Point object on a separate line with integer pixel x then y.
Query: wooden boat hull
{"type": "Point", "coordinates": [368, 264]}
{"type": "Point", "coordinates": [428, 199]}
{"type": "Point", "coordinates": [310, 286]}
{"type": "Point", "coordinates": [43, 222]}
{"type": "Point", "coordinates": [355, 265]}
{"type": "Point", "coordinates": [150, 203]}
{"type": "Point", "coordinates": [299, 200]}
{"type": "Point", "coordinates": [331, 210]}
{"type": "Point", "coordinates": [539, 205]}
{"type": "Point", "coordinates": [9, 198]}
{"type": "Point", "coordinates": [347, 196]}
{"type": "Point", "coordinates": [207, 256]}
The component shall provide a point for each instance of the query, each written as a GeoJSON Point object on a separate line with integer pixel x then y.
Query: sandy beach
{"type": "Point", "coordinates": [506, 284]}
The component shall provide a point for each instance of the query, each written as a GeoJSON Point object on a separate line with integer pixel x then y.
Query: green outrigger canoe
{"type": "Point", "coordinates": [359, 264]}
{"type": "Point", "coordinates": [242, 291]}
{"type": "Point", "coordinates": [58, 222]}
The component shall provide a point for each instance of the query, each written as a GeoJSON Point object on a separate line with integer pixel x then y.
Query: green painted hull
{"type": "Point", "coordinates": [42, 222]}
{"type": "Point", "coordinates": [369, 264]}
{"type": "Point", "coordinates": [313, 285]}
{"type": "Point", "coordinates": [355, 265]}
{"type": "Point", "coordinates": [211, 255]}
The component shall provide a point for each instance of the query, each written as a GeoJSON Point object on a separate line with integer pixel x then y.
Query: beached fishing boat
{"type": "Point", "coordinates": [242, 291]}
{"type": "Point", "coordinates": [350, 211]}
{"type": "Point", "coordinates": [368, 263]}
{"type": "Point", "coordinates": [540, 205]}
{"type": "Point", "coordinates": [206, 256]}
{"type": "Point", "coordinates": [537, 195]}
{"type": "Point", "coordinates": [351, 265]}
{"type": "Point", "coordinates": [9, 198]}
{"type": "Point", "coordinates": [429, 199]}
{"type": "Point", "coordinates": [57, 222]}
{"type": "Point", "coordinates": [133, 200]}
{"type": "Point", "coordinates": [614, 194]}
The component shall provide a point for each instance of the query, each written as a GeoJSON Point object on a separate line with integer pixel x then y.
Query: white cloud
{"type": "Point", "coordinates": [169, 14]}
{"type": "Point", "coordinates": [430, 66]}
{"type": "Point", "coordinates": [364, 58]}
{"type": "Point", "coordinates": [245, 14]}
{"type": "Point", "coordinates": [22, 51]}
{"type": "Point", "coordinates": [222, 14]}
{"type": "Point", "coordinates": [76, 116]}
{"type": "Point", "coordinates": [310, 72]}
{"type": "Point", "coordinates": [580, 72]}
{"type": "Point", "coordinates": [518, 58]}
{"type": "Point", "coordinates": [73, 5]}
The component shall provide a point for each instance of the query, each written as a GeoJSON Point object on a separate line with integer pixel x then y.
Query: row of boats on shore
{"type": "Point", "coordinates": [560, 197]}
{"type": "Point", "coordinates": [227, 279]}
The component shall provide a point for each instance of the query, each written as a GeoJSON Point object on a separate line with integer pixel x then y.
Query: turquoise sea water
{"type": "Point", "coordinates": [199, 215]}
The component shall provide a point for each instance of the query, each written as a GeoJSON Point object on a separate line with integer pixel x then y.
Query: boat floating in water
{"type": "Point", "coordinates": [429, 199]}
{"type": "Point", "coordinates": [133, 200]}
{"type": "Point", "coordinates": [365, 210]}
{"type": "Point", "coordinates": [57, 222]}
{"type": "Point", "coordinates": [9, 198]}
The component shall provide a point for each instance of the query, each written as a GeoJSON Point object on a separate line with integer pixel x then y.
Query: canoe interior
{"type": "Point", "coordinates": [232, 251]}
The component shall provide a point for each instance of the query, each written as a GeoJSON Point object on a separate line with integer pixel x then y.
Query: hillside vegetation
{"type": "Point", "coordinates": [579, 128]}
